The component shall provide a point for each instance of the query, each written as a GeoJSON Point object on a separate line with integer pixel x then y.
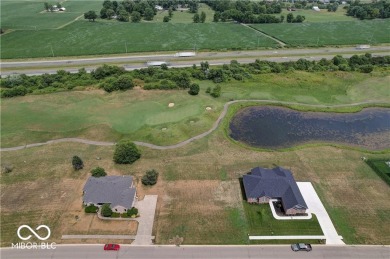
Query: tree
{"type": "Point", "coordinates": [126, 152]}
{"type": "Point", "coordinates": [105, 210]}
{"type": "Point", "coordinates": [202, 17]}
{"type": "Point", "coordinates": [217, 17]}
{"type": "Point", "coordinates": [166, 19]}
{"type": "Point", "coordinates": [196, 18]}
{"type": "Point", "coordinates": [170, 12]}
{"type": "Point", "coordinates": [216, 92]}
{"type": "Point", "coordinates": [124, 82]}
{"type": "Point", "coordinates": [290, 17]}
{"type": "Point", "coordinates": [204, 66]}
{"type": "Point", "coordinates": [123, 16]}
{"type": "Point", "coordinates": [150, 178]}
{"type": "Point", "coordinates": [194, 89]}
{"type": "Point", "coordinates": [135, 16]}
{"type": "Point", "coordinates": [110, 13]}
{"type": "Point", "coordinates": [46, 5]}
{"type": "Point", "coordinates": [90, 15]}
{"type": "Point", "coordinates": [77, 163]}
{"type": "Point", "coordinates": [132, 212]}
{"type": "Point", "coordinates": [98, 172]}
{"type": "Point", "coordinates": [149, 14]}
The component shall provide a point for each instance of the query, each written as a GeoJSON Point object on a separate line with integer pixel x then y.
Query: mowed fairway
{"type": "Point", "coordinates": [145, 116]}
{"type": "Point", "coordinates": [30, 15]}
{"type": "Point", "coordinates": [329, 33]}
{"type": "Point", "coordinates": [101, 37]}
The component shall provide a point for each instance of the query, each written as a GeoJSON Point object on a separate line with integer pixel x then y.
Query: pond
{"type": "Point", "coordinates": [276, 127]}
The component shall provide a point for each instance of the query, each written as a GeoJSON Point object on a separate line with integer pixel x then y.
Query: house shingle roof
{"type": "Point", "coordinates": [274, 183]}
{"type": "Point", "coordinates": [110, 189]}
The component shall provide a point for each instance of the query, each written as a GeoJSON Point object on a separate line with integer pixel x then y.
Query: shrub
{"type": "Point", "coordinates": [166, 19]}
{"type": "Point", "coordinates": [208, 90]}
{"type": "Point", "coordinates": [77, 163]}
{"type": "Point", "coordinates": [126, 152]}
{"type": "Point", "coordinates": [132, 211]}
{"type": "Point", "coordinates": [91, 209]}
{"type": "Point", "coordinates": [98, 172]}
{"type": "Point", "coordinates": [124, 82]}
{"type": "Point", "coordinates": [216, 92]}
{"type": "Point", "coordinates": [194, 89]}
{"type": "Point", "coordinates": [150, 178]}
{"type": "Point", "coordinates": [115, 215]}
{"type": "Point", "coordinates": [106, 210]}
{"type": "Point", "coordinates": [7, 169]}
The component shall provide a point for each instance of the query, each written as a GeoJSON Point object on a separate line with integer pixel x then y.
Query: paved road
{"type": "Point", "coordinates": [200, 252]}
{"type": "Point", "coordinates": [214, 127]}
{"type": "Point", "coordinates": [37, 67]}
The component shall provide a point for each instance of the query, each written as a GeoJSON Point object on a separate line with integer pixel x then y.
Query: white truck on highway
{"type": "Point", "coordinates": [185, 54]}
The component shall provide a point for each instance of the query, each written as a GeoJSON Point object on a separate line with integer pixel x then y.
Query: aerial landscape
{"type": "Point", "coordinates": [195, 129]}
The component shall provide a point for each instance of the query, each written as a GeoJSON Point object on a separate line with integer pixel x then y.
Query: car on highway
{"type": "Point", "coordinates": [301, 247]}
{"type": "Point", "coordinates": [112, 247]}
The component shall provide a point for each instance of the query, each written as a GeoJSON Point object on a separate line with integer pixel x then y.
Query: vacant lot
{"type": "Point", "coordinates": [329, 33]}
{"type": "Point", "coordinates": [142, 115]}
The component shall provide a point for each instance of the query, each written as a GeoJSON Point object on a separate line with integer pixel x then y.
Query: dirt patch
{"type": "Point", "coordinates": [229, 193]}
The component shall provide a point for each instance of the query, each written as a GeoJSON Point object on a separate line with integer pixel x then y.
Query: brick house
{"type": "Point", "coordinates": [263, 184]}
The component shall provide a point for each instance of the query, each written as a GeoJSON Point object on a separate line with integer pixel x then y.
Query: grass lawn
{"type": "Point", "coordinates": [262, 223]}
{"type": "Point", "coordinates": [141, 115]}
{"type": "Point", "coordinates": [30, 15]}
{"type": "Point", "coordinates": [329, 33]}
{"type": "Point", "coordinates": [185, 17]}
{"type": "Point", "coordinates": [109, 37]}
{"type": "Point", "coordinates": [322, 16]}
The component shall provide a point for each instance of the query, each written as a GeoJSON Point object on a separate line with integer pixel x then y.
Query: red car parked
{"type": "Point", "coordinates": [112, 247]}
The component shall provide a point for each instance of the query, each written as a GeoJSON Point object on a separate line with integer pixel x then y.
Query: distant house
{"type": "Point", "coordinates": [263, 184]}
{"type": "Point", "coordinates": [158, 8]}
{"type": "Point", "coordinates": [316, 8]}
{"type": "Point", "coordinates": [118, 191]}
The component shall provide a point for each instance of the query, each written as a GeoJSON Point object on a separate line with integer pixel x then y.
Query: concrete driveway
{"type": "Point", "coordinates": [315, 206]}
{"type": "Point", "coordinates": [146, 209]}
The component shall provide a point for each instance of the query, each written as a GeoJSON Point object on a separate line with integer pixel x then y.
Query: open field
{"type": "Point", "coordinates": [142, 115]}
{"type": "Point", "coordinates": [183, 16]}
{"type": "Point", "coordinates": [101, 37]}
{"type": "Point", "coordinates": [30, 15]}
{"type": "Point", "coordinates": [329, 33]}
{"type": "Point", "coordinates": [322, 16]}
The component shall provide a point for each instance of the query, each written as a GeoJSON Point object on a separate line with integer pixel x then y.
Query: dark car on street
{"type": "Point", "coordinates": [301, 247]}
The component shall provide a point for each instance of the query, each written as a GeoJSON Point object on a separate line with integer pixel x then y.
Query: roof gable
{"type": "Point", "coordinates": [276, 183]}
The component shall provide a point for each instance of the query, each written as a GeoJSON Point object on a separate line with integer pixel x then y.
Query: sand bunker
{"type": "Point", "coordinates": [170, 105]}
{"type": "Point", "coordinates": [208, 108]}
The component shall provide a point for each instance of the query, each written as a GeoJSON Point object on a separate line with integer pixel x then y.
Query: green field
{"type": "Point", "coordinates": [262, 223]}
{"type": "Point", "coordinates": [30, 15]}
{"type": "Point", "coordinates": [329, 33]}
{"type": "Point", "coordinates": [88, 38]}
{"type": "Point", "coordinates": [142, 115]}
{"type": "Point", "coordinates": [183, 16]}
{"type": "Point", "coordinates": [322, 16]}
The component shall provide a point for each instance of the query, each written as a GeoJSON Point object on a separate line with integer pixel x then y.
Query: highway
{"type": "Point", "coordinates": [201, 252]}
{"type": "Point", "coordinates": [134, 61]}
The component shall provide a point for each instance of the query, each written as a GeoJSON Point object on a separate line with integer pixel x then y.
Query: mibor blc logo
{"type": "Point", "coordinates": [33, 245]}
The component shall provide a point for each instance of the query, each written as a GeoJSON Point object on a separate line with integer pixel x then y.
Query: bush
{"type": "Point", "coordinates": [124, 82]}
{"type": "Point", "coordinates": [115, 215]}
{"type": "Point", "coordinates": [194, 89]}
{"type": "Point", "coordinates": [77, 163]}
{"type": "Point", "coordinates": [7, 169]}
{"type": "Point", "coordinates": [91, 209]}
{"type": "Point", "coordinates": [106, 210]}
{"type": "Point", "coordinates": [126, 152]}
{"type": "Point", "coordinates": [166, 19]}
{"type": "Point", "coordinates": [216, 92]}
{"type": "Point", "coordinates": [150, 178]}
{"type": "Point", "coordinates": [98, 172]}
{"type": "Point", "coordinates": [132, 211]}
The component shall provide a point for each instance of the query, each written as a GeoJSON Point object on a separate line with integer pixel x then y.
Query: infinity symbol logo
{"type": "Point", "coordinates": [32, 231]}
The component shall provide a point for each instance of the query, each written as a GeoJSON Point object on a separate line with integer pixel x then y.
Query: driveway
{"type": "Point", "coordinates": [146, 209]}
{"type": "Point", "coordinates": [315, 206]}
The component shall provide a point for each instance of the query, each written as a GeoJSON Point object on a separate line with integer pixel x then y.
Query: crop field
{"type": "Point", "coordinates": [88, 38]}
{"type": "Point", "coordinates": [30, 15]}
{"type": "Point", "coordinates": [329, 33]}
{"type": "Point", "coordinates": [142, 115]}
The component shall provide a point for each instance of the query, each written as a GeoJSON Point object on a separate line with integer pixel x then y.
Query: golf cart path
{"type": "Point", "coordinates": [185, 142]}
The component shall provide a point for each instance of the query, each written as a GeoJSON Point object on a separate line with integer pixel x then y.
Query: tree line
{"type": "Point", "coordinates": [380, 9]}
{"type": "Point", "coordinates": [113, 78]}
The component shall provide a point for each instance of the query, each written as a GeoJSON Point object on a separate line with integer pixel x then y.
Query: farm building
{"type": "Point", "coordinates": [263, 184]}
{"type": "Point", "coordinates": [118, 191]}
